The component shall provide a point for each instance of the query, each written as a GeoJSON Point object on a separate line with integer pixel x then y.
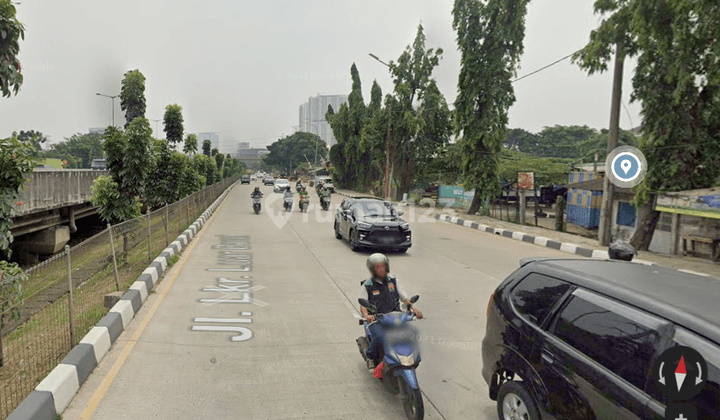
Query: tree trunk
{"type": "Point", "coordinates": [645, 227]}
{"type": "Point", "coordinates": [475, 205]}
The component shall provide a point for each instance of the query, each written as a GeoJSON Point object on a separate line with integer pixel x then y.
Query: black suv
{"type": "Point", "coordinates": [583, 335]}
{"type": "Point", "coordinates": [373, 223]}
{"type": "Point", "coordinates": [245, 179]}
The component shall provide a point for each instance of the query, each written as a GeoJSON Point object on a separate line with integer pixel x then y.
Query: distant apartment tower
{"type": "Point", "coordinates": [312, 115]}
{"type": "Point", "coordinates": [213, 137]}
{"type": "Point", "coordinates": [99, 130]}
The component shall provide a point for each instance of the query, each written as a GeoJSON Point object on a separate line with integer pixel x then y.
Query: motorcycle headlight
{"type": "Point", "coordinates": [363, 225]}
{"type": "Point", "coordinates": [407, 360]}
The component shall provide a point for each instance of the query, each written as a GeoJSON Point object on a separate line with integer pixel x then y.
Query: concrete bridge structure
{"type": "Point", "coordinates": [52, 201]}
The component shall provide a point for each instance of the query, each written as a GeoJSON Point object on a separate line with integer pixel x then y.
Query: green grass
{"type": "Point", "coordinates": [175, 258]}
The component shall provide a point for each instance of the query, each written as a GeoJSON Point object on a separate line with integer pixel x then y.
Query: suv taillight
{"type": "Point", "coordinates": [487, 311]}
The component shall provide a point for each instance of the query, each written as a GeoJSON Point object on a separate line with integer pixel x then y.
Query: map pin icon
{"type": "Point", "coordinates": [625, 165]}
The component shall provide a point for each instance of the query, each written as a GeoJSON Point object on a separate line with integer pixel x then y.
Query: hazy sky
{"type": "Point", "coordinates": [242, 68]}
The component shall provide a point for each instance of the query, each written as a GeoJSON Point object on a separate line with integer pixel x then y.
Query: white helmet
{"type": "Point", "coordinates": [376, 259]}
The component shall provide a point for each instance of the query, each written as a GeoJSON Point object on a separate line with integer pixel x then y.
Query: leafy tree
{"type": "Point", "coordinates": [191, 144]}
{"type": "Point", "coordinates": [521, 140]}
{"type": "Point", "coordinates": [490, 39]}
{"type": "Point", "coordinates": [434, 130]}
{"type": "Point", "coordinates": [206, 146]}
{"type": "Point", "coordinates": [214, 152]}
{"type": "Point", "coordinates": [174, 125]}
{"type": "Point", "coordinates": [137, 157]}
{"type": "Point", "coordinates": [161, 183]}
{"type": "Point", "coordinates": [547, 170]}
{"type": "Point", "coordinates": [35, 138]}
{"type": "Point", "coordinates": [206, 166]}
{"type": "Point", "coordinates": [15, 162]}
{"type": "Point", "coordinates": [291, 150]}
{"type": "Point", "coordinates": [114, 206]}
{"type": "Point", "coordinates": [219, 160]}
{"type": "Point", "coordinates": [132, 96]}
{"type": "Point", "coordinates": [412, 78]}
{"type": "Point", "coordinates": [678, 84]}
{"type": "Point", "coordinates": [12, 31]}
{"type": "Point", "coordinates": [373, 140]}
{"type": "Point", "coordinates": [599, 143]}
{"type": "Point", "coordinates": [79, 150]}
{"type": "Point", "coordinates": [114, 145]}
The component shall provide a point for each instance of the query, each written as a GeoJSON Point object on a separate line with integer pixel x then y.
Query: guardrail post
{"type": "Point", "coordinates": [149, 237]}
{"type": "Point", "coordinates": [70, 296]}
{"type": "Point", "coordinates": [167, 222]}
{"type": "Point", "coordinates": [112, 248]}
{"type": "Point", "coordinates": [193, 197]}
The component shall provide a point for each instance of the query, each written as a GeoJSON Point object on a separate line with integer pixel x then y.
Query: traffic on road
{"type": "Point", "coordinates": [458, 324]}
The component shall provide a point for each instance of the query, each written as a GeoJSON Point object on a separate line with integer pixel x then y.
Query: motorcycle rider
{"type": "Point", "coordinates": [299, 185]}
{"type": "Point", "coordinates": [383, 291]}
{"type": "Point", "coordinates": [288, 194]}
{"type": "Point", "coordinates": [303, 193]}
{"type": "Point", "coordinates": [256, 193]}
{"type": "Point", "coordinates": [324, 192]}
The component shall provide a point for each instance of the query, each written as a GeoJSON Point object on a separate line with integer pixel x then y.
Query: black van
{"type": "Point", "coordinates": [578, 338]}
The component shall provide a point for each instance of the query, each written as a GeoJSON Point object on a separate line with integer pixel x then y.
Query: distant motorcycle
{"type": "Point", "coordinates": [325, 203]}
{"type": "Point", "coordinates": [400, 356]}
{"type": "Point", "coordinates": [304, 203]}
{"type": "Point", "coordinates": [288, 203]}
{"type": "Point", "coordinates": [256, 204]}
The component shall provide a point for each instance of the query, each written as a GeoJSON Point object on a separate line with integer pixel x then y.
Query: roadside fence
{"type": "Point", "coordinates": [65, 296]}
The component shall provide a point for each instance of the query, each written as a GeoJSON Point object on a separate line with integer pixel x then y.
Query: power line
{"type": "Point", "coordinates": [549, 65]}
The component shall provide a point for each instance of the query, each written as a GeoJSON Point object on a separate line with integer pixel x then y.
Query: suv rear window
{"type": "Point", "coordinates": [618, 337]}
{"type": "Point", "coordinates": [536, 295]}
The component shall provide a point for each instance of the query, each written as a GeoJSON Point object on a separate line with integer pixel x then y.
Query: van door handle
{"type": "Point", "coordinates": [548, 357]}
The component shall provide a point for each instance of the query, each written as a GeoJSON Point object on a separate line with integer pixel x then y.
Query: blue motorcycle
{"type": "Point", "coordinates": [400, 356]}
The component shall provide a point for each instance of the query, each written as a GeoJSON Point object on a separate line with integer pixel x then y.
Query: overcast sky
{"type": "Point", "coordinates": [242, 68]}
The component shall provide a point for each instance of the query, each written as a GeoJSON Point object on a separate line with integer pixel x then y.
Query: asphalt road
{"type": "Point", "coordinates": [297, 357]}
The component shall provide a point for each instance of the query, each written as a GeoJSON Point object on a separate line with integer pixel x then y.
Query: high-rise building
{"type": "Point", "coordinates": [312, 115]}
{"type": "Point", "coordinates": [213, 137]}
{"type": "Point", "coordinates": [99, 130]}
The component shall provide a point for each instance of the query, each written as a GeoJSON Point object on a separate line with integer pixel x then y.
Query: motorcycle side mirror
{"type": "Point", "coordinates": [414, 298]}
{"type": "Point", "coordinates": [364, 303]}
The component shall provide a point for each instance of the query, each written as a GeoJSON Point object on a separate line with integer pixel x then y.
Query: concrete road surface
{"type": "Point", "coordinates": [294, 354]}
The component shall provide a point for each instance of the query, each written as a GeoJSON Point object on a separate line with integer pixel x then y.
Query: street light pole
{"type": "Point", "coordinates": [387, 142]}
{"type": "Point", "coordinates": [113, 105]}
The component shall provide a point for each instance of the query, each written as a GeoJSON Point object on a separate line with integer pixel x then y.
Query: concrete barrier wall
{"type": "Point", "coordinates": [47, 190]}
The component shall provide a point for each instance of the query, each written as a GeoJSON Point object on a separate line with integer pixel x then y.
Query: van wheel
{"type": "Point", "coordinates": [515, 402]}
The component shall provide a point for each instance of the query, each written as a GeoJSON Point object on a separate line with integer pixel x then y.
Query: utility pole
{"type": "Point", "coordinates": [387, 154]}
{"type": "Point", "coordinates": [608, 187]}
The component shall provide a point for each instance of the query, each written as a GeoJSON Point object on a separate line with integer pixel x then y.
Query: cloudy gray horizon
{"type": "Point", "coordinates": [242, 68]}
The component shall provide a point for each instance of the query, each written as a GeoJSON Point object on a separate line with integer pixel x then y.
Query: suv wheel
{"type": "Point", "coordinates": [515, 402]}
{"type": "Point", "coordinates": [337, 232]}
{"type": "Point", "coordinates": [354, 245]}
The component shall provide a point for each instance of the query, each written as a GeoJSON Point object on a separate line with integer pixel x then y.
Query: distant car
{"type": "Point", "coordinates": [369, 222]}
{"type": "Point", "coordinates": [281, 185]}
{"type": "Point", "coordinates": [245, 179]}
{"type": "Point", "coordinates": [253, 178]}
{"type": "Point", "coordinates": [98, 164]}
{"type": "Point", "coordinates": [328, 183]}
{"type": "Point", "coordinates": [583, 336]}
{"type": "Point", "coordinates": [268, 181]}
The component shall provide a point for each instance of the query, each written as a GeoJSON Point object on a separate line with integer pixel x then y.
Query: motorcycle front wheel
{"type": "Point", "coordinates": [411, 400]}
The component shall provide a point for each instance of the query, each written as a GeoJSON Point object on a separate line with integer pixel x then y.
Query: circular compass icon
{"type": "Point", "coordinates": [680, 373]}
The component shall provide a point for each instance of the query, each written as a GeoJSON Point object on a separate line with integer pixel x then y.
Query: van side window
{"type": "Point", "coordinates": [622, 339]}
{"type": "Point", "coordinates": [536, 295]}
{"type": "Point", "coordinates": [707, 401]}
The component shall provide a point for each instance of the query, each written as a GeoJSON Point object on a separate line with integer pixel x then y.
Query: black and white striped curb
{"type": "Point", "coordinates": [56, 391]}
{"type": "Point", "coordinates": [541, 241]}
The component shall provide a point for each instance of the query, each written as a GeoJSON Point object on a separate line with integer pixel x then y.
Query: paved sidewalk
{"type": "Point", "coordinates": [575, 244]}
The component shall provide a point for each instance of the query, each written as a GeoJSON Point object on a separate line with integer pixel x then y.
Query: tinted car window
{"type": "Point", "coordinates": [708, 400]}
{"type": "Point", "coordinates": [618, 337]}
{"type": "Point", "coordinates": [535, 296]}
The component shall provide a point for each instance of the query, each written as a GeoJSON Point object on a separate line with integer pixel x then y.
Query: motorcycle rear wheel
{"type": "Point", "coordinates": [412, 401]}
